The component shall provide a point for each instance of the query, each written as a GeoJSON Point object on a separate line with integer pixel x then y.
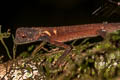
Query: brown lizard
{"type": "Point", "coordinates": [61, 34]}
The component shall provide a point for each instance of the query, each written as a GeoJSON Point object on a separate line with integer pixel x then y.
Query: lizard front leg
{"type": "Point", "coordinates": [67, 48]}
{"type": "Point", "coordinates": [45, 39]}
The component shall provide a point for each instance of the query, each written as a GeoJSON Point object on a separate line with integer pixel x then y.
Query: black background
{"type": "Point", "coordinates": [47, 12]}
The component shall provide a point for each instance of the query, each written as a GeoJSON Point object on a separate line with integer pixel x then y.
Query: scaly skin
{"type": "Point", "coordinates": [63, 33]}
{"type": "Point", "coordinates": [59, 35]}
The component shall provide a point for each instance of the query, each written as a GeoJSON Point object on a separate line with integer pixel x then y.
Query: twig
{"type": "Point", "coordinates": [14, 48]}
{"type": "Point", "coordinates": [114, 2]}
{"type": "Point", "coordinates": [5, 35]}
{"type": "Point", "coordinates": [6, 48]}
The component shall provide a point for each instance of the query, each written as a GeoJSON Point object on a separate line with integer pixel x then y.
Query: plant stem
{"type": "Point", "coordinates": [6, 48]}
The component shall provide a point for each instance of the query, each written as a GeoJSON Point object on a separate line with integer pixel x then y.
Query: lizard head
{"type": "Point", "coordinates": [26, 35]}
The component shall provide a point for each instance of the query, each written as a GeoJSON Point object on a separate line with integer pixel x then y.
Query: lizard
{"type": "Point", "coordinates": [59, 35]}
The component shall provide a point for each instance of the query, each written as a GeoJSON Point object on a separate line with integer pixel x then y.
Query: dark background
{"type": "Point", "coordinates": [48, 12]}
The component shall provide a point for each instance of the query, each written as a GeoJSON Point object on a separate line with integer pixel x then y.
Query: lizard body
{"type": "Point", "coordinates": [59, 35]}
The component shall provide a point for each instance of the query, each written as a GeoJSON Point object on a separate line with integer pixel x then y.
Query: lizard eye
{"type": "Point", "coordinates": [24, 36]}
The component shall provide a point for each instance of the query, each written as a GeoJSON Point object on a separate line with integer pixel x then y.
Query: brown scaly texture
{"type": "Point", "coordinates": [65, 33]}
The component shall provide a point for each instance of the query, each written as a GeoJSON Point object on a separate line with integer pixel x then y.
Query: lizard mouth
{"type": "Point", "coordinates": [19, 41]}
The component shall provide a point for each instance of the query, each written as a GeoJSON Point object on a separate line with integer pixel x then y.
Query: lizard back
{"type": "Point", "coordinates": [62, 33]}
